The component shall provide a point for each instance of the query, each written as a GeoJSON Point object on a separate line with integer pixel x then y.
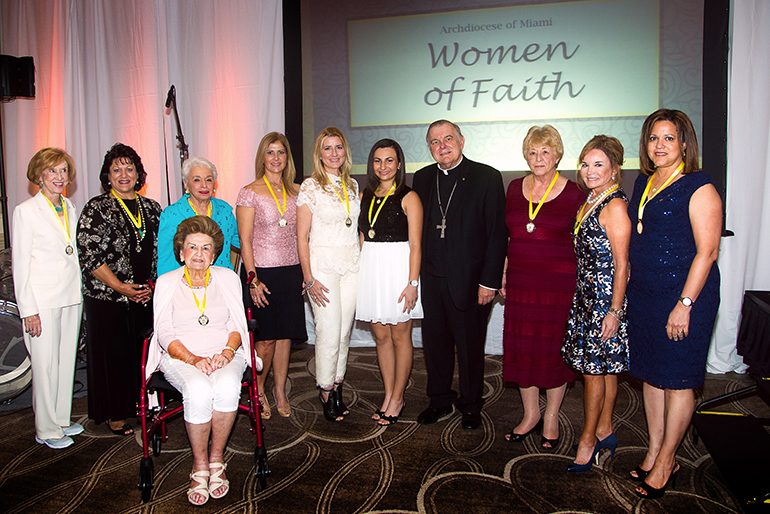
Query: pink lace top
{"type": "Point", "coordinates": [273, 245]}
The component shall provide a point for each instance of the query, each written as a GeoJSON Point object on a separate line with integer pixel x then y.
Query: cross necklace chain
{"type": "Point", "coordinates": [442, 226]}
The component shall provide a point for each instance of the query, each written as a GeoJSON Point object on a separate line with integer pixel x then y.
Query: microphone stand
{"type": "Point", "coordinates": [184, 152]}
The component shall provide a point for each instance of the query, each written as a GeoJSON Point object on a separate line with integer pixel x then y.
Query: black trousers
{"type": "Point", "coordinates": [445, 329]}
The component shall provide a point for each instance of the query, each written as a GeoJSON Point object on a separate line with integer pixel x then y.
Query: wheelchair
{"type": "Point", "coordinates": [154, 418]}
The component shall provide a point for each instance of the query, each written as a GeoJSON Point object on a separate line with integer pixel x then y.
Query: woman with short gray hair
{"type": "Point", "coordinates": [200, 178]}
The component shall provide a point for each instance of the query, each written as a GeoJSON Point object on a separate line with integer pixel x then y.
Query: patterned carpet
{"type": "Point", "coordinates": [359, 467]}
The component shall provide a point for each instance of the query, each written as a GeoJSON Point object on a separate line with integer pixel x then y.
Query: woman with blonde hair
{"type": "Point", "coordinates": [266, 211]}
{"type": "Point", "coordinates": [327, 240]}
{"type": "Point", "coordinates": [539, 283]}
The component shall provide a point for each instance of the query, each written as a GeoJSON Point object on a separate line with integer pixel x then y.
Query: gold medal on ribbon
{"type": "Point", "coordinates": [655, 192]}
{"type": "Point", "coordinates": [533, 213]}
{"type": "Point", "coordinates": [64, 226]}
{"type": "Point", "coordinates": [281, 222]}
{"type": "Point", "coordinates": [345, 202]}
{"type": "Point", "coordinates": [203, 320]}
{"type": "Point", "coordinates": [372, 221]}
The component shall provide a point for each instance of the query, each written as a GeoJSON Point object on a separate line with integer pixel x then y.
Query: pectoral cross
{"type": "Point", "coordinates": [442, 227]}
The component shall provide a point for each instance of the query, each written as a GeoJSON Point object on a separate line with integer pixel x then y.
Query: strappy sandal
{"type": "Point", "coordinates": [385, 421]}
{"type": "Point", "coordinates": [262, 401]}
{"type": "Point", "coordinates": [215, 482]}
{"type": "Point", "coordinates": [284, 413]}
{"type": "Point", "coordinates": [202, 488]}
{"type": "Point", "coordinates": [126, 429]}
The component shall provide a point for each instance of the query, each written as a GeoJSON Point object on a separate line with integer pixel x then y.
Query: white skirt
{"type": "Point", "coordinates": [382, 277]}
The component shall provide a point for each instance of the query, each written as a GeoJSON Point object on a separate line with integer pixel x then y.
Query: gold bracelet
{"type": "Point", "coordinates": [228, 348]}
{"type": "Point", "coordinates": [255, 284]}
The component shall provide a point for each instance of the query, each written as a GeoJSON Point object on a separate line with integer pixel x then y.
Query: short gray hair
{"type": "Point", "coordinates": [441, 122]}
{"type": "Point", "coordinates": [195, 162]}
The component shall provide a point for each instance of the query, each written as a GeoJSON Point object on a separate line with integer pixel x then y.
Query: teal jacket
{"type": "Point", "coordinates": [174, 214]}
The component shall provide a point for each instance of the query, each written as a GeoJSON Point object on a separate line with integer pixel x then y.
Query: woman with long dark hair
{"type": "Point", "coordinates": [390, 227]}
{"type": "Point", "coordinates": [673, 293]}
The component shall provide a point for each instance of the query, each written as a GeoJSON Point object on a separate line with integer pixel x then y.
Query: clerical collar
{"type": "Point", "coordinates": [446, 171]}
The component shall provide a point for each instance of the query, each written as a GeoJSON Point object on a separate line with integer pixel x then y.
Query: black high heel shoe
{"type": "Point", "coordinates": [651, 493]}
{"type": "Point", "coordinates": [552, 443]}
{"type": "Point", "coordinates": [391, 420]}
{"type": "Point", "coordinates": [330, 409]}
{"type": "Point", "coordinates": [640, 474]}
{"type": "Point", "coordinates": [337, 398]}
{"type": "Point", "coordinates": [513, 437]}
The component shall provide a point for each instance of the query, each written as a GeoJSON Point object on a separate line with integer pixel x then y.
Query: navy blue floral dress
{"type": "Point", "coordinates": [583, 349]}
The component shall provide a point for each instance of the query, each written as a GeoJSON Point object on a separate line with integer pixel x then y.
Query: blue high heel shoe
{"type": "Point", "coordinates": [611, 442]}
{"type": "Point", "coordinates": [582, 468]}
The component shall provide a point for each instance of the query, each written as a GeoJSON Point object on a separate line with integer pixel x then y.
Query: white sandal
{"type": "Point", "coordinates": [215, 482]}
{"type": "Point", "coordinates": [202, 487]}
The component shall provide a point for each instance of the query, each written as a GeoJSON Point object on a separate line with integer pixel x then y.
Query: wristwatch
{"type": "Point", "coordinates": [414, 283]}
{"type": "Point", "coordinates": [686, 301]}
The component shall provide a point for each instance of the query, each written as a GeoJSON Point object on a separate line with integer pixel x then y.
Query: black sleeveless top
{"type": "Point", "coordinates": [391, 225]}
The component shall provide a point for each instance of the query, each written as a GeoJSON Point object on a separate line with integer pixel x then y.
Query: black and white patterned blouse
{"type": "Point", "coordinates": [106, 236]}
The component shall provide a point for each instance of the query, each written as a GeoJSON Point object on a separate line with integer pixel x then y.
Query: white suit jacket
{"type": "Point", "coordinates": [44, 276]}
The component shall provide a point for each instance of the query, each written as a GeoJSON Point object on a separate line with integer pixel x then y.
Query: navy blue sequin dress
{"type": "Point", "coordinates": [583, 349]}
{"type": "Point", "coordinates": [660, 259]}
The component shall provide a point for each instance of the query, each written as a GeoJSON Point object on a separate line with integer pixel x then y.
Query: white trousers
{"type": "Point", "coordinates": [333, 324]}
{"type": "Point", "coordinates": [53, 368]}
{"type": "Point", "coordinates": [202, 394]}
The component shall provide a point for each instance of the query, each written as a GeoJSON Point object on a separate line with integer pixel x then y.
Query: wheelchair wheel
{"type": "Point", "coordinates": [260, 466]}
{"type": "Point", "coordinates": [146, 482]}
{"type": "Point", "coordinates": [157, 441]}
{"type": "Point", "coordinates": [262, 472]}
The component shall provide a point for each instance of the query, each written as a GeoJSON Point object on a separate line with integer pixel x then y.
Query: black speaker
{"type": "Point", "coordinates": [17, 77]}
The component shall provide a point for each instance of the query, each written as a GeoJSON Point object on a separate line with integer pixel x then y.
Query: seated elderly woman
{"type": "Point", "coordinates": [201, 345]}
